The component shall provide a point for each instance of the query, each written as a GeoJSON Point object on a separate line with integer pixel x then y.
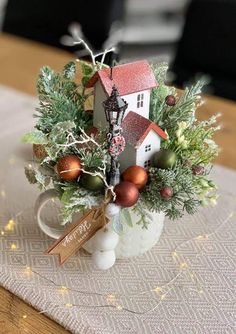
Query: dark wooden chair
{"type": "Point", "coordinates": [208, 46]}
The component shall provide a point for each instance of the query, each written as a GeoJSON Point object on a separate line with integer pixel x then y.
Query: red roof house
{"type": "Point", "coordinates": [143, 139]}
{"type": "Point", "coordinates": [134, 82]}
{"type": "Point", "coordinates": [128, 78]}
{"type": "Point", "coordinates": [136, 128]}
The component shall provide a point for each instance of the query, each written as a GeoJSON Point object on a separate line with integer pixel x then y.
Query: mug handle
{"type": "Point", "coordinates": [39, 204]}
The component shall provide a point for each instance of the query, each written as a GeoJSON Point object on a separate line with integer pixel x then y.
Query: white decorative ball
{"type": "Point", "coordinates": [112, 210]}
{"type": "Point", "coordinates": [106, 239]}
{"type": "Point", "coordinates": [104, 259]}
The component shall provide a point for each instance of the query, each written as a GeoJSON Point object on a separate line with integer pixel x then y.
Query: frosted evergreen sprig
{"type": "Point", "coordinates": [61, 127]}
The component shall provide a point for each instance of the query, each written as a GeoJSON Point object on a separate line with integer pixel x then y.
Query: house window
{"type": "Point", "coordinates": [147, 164]}
{"type": "Point", "coordinates": [148, 148]}
{"type": "Point", "coordinates": [140, 99]}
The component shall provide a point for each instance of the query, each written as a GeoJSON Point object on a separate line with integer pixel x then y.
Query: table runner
{"type": "Point", "coordinates": [199, 299]}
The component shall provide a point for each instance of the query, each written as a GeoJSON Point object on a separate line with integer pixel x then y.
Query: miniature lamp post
{"type": "Point", "coordinates": [115, 108]}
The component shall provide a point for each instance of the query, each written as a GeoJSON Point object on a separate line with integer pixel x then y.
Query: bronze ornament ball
{"type": "Point", "coordinates": [137, 175]}
{"type": "Point", "coordinates": [91, 182]}
{"type": "Point", "coordinates": [127, 194]}
{"type": "Point", "coordinates": [69, 167]}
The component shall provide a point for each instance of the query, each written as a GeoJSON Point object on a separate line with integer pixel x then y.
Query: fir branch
{"type": "Point", "coordinates": [184, 195]}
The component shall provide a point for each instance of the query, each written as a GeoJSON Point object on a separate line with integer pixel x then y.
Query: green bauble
{"type": "Point", "coordinates": [164, 159]}
{"type": "Point", "coordinates": [90, 182]}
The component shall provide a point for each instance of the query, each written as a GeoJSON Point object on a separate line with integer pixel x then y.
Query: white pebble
{"type": "Point", "coordinates": [104, 260]}
{"type": "Point", "coordinates": [106, 239]}
{"type": "Point", "coordinates": [112, 210]}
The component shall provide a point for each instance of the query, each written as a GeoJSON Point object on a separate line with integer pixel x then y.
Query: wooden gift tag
{"type": "Point", "coordinates": [77, 234]}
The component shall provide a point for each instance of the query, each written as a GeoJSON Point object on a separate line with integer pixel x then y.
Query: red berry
{"type": "Point", "coordinates": [166, 192]}
{"type": "Point", "coordinates": [170, 100]}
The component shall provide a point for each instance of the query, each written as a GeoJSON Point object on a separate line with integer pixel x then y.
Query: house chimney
{"type": "Point", "coordinates": [111, 72]}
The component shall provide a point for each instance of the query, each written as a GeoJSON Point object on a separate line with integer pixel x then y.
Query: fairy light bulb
{"type": "Point", "coordinates": [174, 253]}
{"type": "Point", "coordinates": [158, 289]}
{"type": "Point", "coordinates": [202, 237]}
{"type": "Point", "coordinates": [68, 305]}
{"type": "Point", "coordinates": [10, 225]}
{"type": "Point", "coordinates": [183, 265]}
{"type": "Point", "coordinates": [28, 271]}
{"type": "Point", "coordinates": [163, 297]}
{"type": "Point", "coordinates": [13, 247]}
{"type": "Point", "coordinates": [63, 289]}
{"type": "Point", "coordinates": [3, 193]}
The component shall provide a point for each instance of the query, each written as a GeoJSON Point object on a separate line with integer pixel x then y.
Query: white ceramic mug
{"type": "Point", "coordinates": [133, 241]}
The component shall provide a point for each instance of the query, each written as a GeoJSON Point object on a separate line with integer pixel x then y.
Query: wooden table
{"type": "Point", "coordinates": [20, 61]}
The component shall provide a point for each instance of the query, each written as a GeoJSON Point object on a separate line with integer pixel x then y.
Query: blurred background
{"type": "Point", "coordinates": [194, 36]}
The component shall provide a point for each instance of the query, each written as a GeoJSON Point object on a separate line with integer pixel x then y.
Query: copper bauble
{"type": "Point", "coordinates": [126, 194]}
{"type": "Point", "coordinates": [40, 151]}
{"type": "Point", "coordinates": [69, 167]}
{"type": "Point", "coordinates": [137, 175]}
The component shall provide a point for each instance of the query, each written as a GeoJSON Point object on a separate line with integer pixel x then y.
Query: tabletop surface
{"type": "Point", "coordinates": [20, 61]}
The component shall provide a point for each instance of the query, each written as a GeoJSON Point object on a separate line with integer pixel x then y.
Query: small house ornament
{"type": "Point", "coordinates": [134, 81]}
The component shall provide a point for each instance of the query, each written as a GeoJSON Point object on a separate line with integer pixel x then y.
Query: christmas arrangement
{"type": "Point", "coordinates": [139, 150]}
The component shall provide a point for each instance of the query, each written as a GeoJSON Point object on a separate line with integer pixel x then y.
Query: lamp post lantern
{"type": "Point", "coordinates": [115, 108]}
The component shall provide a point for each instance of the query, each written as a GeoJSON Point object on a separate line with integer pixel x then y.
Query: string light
{"type": "Point", "coordinates": [202, 237]}
{"type": "Point", "coordinates": [10, 225]}
{"type": "Point", "coordinates": [112, 298]}
{"type": "Point", "coordinates": [163, 296]}
{"type": "Point", "coordinates": [3, 193]}
{"type": "Point", "coordinates": [2, 232]}
{"type": "Point", "coordinates": [28, 271]}
{"type": "Point", "coordinates": [174, 254]}
{"type": "Point", "coordinates": [158, 289]}
{"type": "Point", "coordinates": [13, 246]}
{"type": "Point", "coordinates": [183, 265]}
{"type": "Point", "coordinates": [68, 305]}
{"type": "Point", "coordinates": [63, 289]}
